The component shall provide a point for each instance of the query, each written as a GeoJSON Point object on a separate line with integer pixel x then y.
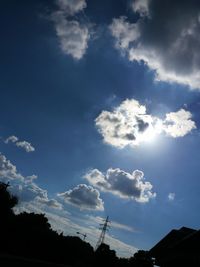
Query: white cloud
{"type": "Point", "coordinates": [84, 197]}
{"type": "Point", "coordinates": [124, 32]}
{"type": "Point", "coordinates": [71, 7]}
{"type": "Point", "coordinates": [95, 220]}
{"type": "Point", "coordinates": [73, 35]}
{"type": "Point", "coordinates": [122, 249]}
{"type": "Point", "coordinates": [121, 226]}
{"type": "Point", "coordinates": [62, 221]}
{"type": "Point", "coordinates": [70, 227]}
{"type": "Point", "coordinates": [175, 56]}
{"type": "Point", "coordinates": [52, 203]}
{"type": "Point", "coordinates": [24, 187]}
{"type": "Point", "coordinates": [178, 123]}
{"type": "Point", "coordinates": [28, 191]}
{"type": "Point", "coordinates": [171, 196]}
{"type": "Point", "coordinates": [31, 178]}
{"type": "Point", "coordinates": [26, 146]}
{"type": "Point", "coordinates": [122, 184]}
{"type": "Point", "coordinates": [35, 199]}
{"type": "Point", "coordinates": [22, 144]}
{"type": "Point", "coordinates": [130, 124]}
{"type": "Point", "coordinates": [141, 6]}
{"type": "Point", "coordinates": [8, 170]}
{"type": "Point", "coordinates": [12, 139]}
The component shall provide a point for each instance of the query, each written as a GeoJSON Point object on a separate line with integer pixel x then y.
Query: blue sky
{"type": "Point", "coordinates": [100, 115]}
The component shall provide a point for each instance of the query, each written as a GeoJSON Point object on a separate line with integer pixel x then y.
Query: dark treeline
{"type": "Point", "coordinates": [29, 235]}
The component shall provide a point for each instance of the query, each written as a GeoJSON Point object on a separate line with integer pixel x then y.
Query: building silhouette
{"type": "Point", "coordinates": [178, 248]}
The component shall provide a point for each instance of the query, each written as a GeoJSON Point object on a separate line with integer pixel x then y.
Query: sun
{"type": "Point", "coordinates": [150, 135]}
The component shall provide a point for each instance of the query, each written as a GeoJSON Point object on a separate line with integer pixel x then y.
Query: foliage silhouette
{"type": "Point", "coordinates": [105, 256]}
{"type": "Point", "coordinates": [7, 201]}
{"type": "Point", "coordinates": [141, 259]}
{"type": "Point", "coordinates": [29, 236]}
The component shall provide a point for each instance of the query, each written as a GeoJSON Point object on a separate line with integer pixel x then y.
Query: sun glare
{"type": "Point", "coordinates": [151, 133]}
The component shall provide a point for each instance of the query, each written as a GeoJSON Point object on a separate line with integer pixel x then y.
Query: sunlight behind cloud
{"type": "Point", "coordinates": [129, 124]}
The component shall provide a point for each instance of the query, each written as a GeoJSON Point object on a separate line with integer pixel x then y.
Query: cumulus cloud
{"type": "Point", "coordinates": [171, 196]}
{"type": "Point", "coordinates": [130, 124]}
{"type": "Point", "coordinates": [84, 197]}
{"type": "Point", "coordinates": [72, 34]}
{"type": "Point", "coordinates": [167, 40]}
{"type": "Point", "coordinates": [123, 184]}
{"type": "Point", "coordinates": [22, 144]}
{"type": "Point", "coordinates": [178, 123]}
{"type": "Point", "coordinates": [8, 170]}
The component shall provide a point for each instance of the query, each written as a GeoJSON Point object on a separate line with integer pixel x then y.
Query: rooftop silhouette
{"type": "Point", "coordinates": [178, 248]}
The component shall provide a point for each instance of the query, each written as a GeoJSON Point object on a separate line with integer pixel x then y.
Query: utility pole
{"type": "Point", "coordinates": [104, 227]}
{"type": "Point", "coordinates": [83, 235]}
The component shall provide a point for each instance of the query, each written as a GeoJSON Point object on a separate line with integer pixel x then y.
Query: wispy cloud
{"type": "Point", "coordinates": [26, 146]}
{"type": "Point", "coordinates": [95, 220]}
{"type": "Point", "coordinates": [33, 198]}
{"type": "Point", "coordinates": [171, 196]}
{"type": "Point", "coordinates": [22, 144]}
{"type": "Point", "coordinates": [62, 221]}
{"type": "Point", "coordinates": [52, 203]}
{"type": "Point", "coordinates": [71, 7]}
{"type": "Point", "coordinates": [24, 187]}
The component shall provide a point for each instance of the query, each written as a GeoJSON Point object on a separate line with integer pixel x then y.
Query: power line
{"type": "Point", "coordinates": [104, 227]}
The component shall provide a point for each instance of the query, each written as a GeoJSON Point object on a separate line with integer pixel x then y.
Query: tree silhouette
{"type": "Point", "coordinates": [29, 236]}
{"type": "Point", "coordinates": [34, 221]}
{"type": "Point", "coordinates": [7, 201]}
{"type": "Point", "coordinates": [105, 256]}
{"type": "Point", "coordinates": [141, 259]}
